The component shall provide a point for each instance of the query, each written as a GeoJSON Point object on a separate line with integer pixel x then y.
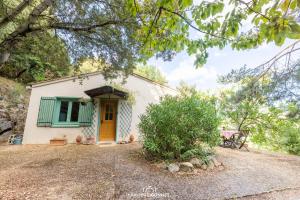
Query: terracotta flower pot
{"type": "Point", "coordinates": [131, 138]}
{"type": "Point", "coordinates": [78, 139]}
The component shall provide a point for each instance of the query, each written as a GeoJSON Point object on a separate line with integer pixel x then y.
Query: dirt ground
{"type": "Point", "coordinates": [97, 172]}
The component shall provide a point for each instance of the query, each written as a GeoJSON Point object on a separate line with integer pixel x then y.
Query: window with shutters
{"type": "Point", "coordinates": [64, 112]}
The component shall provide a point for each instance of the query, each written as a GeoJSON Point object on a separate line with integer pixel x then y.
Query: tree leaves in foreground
{"type": "Point", "coordinates": [122, 32]}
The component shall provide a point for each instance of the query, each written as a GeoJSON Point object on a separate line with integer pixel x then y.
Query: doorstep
{"type": "Point", "coordinates": [106, 143]}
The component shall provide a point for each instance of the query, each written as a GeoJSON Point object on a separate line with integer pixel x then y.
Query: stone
{"type": "Point", "coordinates": [186, 167]}
{"type": "Point", "coordinates": [196, 162]}
{"type": "Point", "coordinates": [21, 106]}
{"type": "Point", "coordinates": [210, 165]}
{"type": "Point", "coordinates": [162, 165]}
{"type": "Point", "coordinates": [216, 162]}
{"type": "Point", "coordinates": [173, 167]}
{"type": "Point", "coordinates": [204, 166]}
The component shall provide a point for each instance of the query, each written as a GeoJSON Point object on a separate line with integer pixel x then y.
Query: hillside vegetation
{"type": "Point", "coordinates": [14, 99]}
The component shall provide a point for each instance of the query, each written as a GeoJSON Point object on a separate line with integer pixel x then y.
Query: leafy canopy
{"type": "Point", "coordinates": [124, 32]}
{"type": "Point", "coordinates": [240, 109]}
{"type": "Point", "coordinates": [36, 58]}
{"type": "Point", "coordinates": [219, 23]}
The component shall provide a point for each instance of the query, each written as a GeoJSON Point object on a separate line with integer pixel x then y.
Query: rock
{"type": "Point", "coordinates": [162, 165]}
{"type": "Point", "coordinates": [173, 168]}
{"type": "Point", "coordinates": [204, 166]}
{"type": "Point", "coordinates": [196, 162]}
{"type": "Point", "coordinates": [4, 137]}
{"type": "Point", "coordinates": [216, 163]}
{"type": "Point", "coordinates": [210, 165]}
{"type": "Point", "coordinates": [221, 167]}
{"type": "Point", "coordinates": [21, 106]}
{"type": "Point", "coordinates": [186, 166]}
{"type": "Point", "coordinates": [13, 106]}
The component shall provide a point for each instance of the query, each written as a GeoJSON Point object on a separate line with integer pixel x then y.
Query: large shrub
{"type": "Point", "coordinates": [177, 127]}
{"type": "Point", "coordinates": [282, 134]}
{"type": "Point", "coordinates": [290, 139]}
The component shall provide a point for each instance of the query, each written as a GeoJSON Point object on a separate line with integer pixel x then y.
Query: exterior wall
{"type": "Point", "coordinates": [145, 92]}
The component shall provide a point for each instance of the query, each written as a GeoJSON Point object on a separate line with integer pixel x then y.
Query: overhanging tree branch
{"type": "Point", "coordinates": [192, 26]}
{"type": "Point", "coordinates": [25, 27]}
{"type": "Point", "coordinates": [155, 20]}
{"type": "Point", "coordinates": [252, 10]}
{"type": "Point", "coordinates": [86, 28]}
{"type": "Point", "coordinates": [14, 13]}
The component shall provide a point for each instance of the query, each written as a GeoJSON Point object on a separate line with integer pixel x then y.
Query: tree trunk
{"type": "Point", "coordinates": [242, 122]}
{"type": "Point", "coordinates": [14, 13]}
{"type": "Point", "coordinates": [24, 28]}
{"type": "Point", "coordinates": [4, 56]}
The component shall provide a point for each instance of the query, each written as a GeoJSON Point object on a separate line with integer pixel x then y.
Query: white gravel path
{"type": "Point", "coordinates": [93, 172]}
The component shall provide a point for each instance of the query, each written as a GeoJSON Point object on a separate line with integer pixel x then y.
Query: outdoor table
{"type": "Point", "coordinates": [234, 138]}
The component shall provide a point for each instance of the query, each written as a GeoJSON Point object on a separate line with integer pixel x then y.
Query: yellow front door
{"type": "Point", "coordinates": [108, 120]}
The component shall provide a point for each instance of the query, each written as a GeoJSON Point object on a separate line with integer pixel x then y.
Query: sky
{"type": "Point", "coordinates": [220, 62]}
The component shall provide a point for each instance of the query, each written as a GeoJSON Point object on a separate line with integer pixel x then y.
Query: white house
{"type": "Point", "coordinates": [69, 107]}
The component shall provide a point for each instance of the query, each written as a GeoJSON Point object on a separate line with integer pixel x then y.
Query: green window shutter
{"type": "Point", "coordinates": [86, 111]}
{"type": "Point", "coordinates": [46, 109]}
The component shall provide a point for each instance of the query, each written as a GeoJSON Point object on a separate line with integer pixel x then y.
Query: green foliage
{"type": "Point", "coordinates": [16, 93]}
{"type": "Point", "coordinates": [186, 90]}
{"type": "Point", "coordinates": [266, 102]}
{"type": "Point", "coordinates": [240, 109]}
{"type": "Point", "coordinates": [293, 110]}
{"type": "Point", "coordinates": [278, 80]}
{"type": "Point", "coordinates": [122, 33]}
{"type": "Point", "coordinates": [89, 29]}
{"type": "Point", "coordinates": [219, 25]}
{"type": "Point", "coordinates": [290, 140]}
{"type": "Point", "coordinates": [86, 65]}
{"type": "Point", "coordinates": [271, 127]}
{"type": "Point", "coordinates": [37, 58]}
{"type": "Point", "coordinates": [281, 134]}
{"type": "Point", "coordinates": [174, 128]}
{"type": "Point", "coordinates": [202, 151]}
{"type": "Point", "coordinates": [151, 72]}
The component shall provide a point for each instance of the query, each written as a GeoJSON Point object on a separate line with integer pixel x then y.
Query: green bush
{"type": "Point", "coordinates": [177, 126]}
{"type": "Point", "coordinates": [283, 135]}
{"type": "Point", "coordinates": [202, 151]}
{"type": "Point", "coordinates": [290, 139]}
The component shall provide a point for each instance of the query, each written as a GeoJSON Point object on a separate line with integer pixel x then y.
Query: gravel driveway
{"type": "Point", "coordinates": [96, 172]}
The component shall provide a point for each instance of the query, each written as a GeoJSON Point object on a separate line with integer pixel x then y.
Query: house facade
{"type": "Point", "coordinates": [92, 107]}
